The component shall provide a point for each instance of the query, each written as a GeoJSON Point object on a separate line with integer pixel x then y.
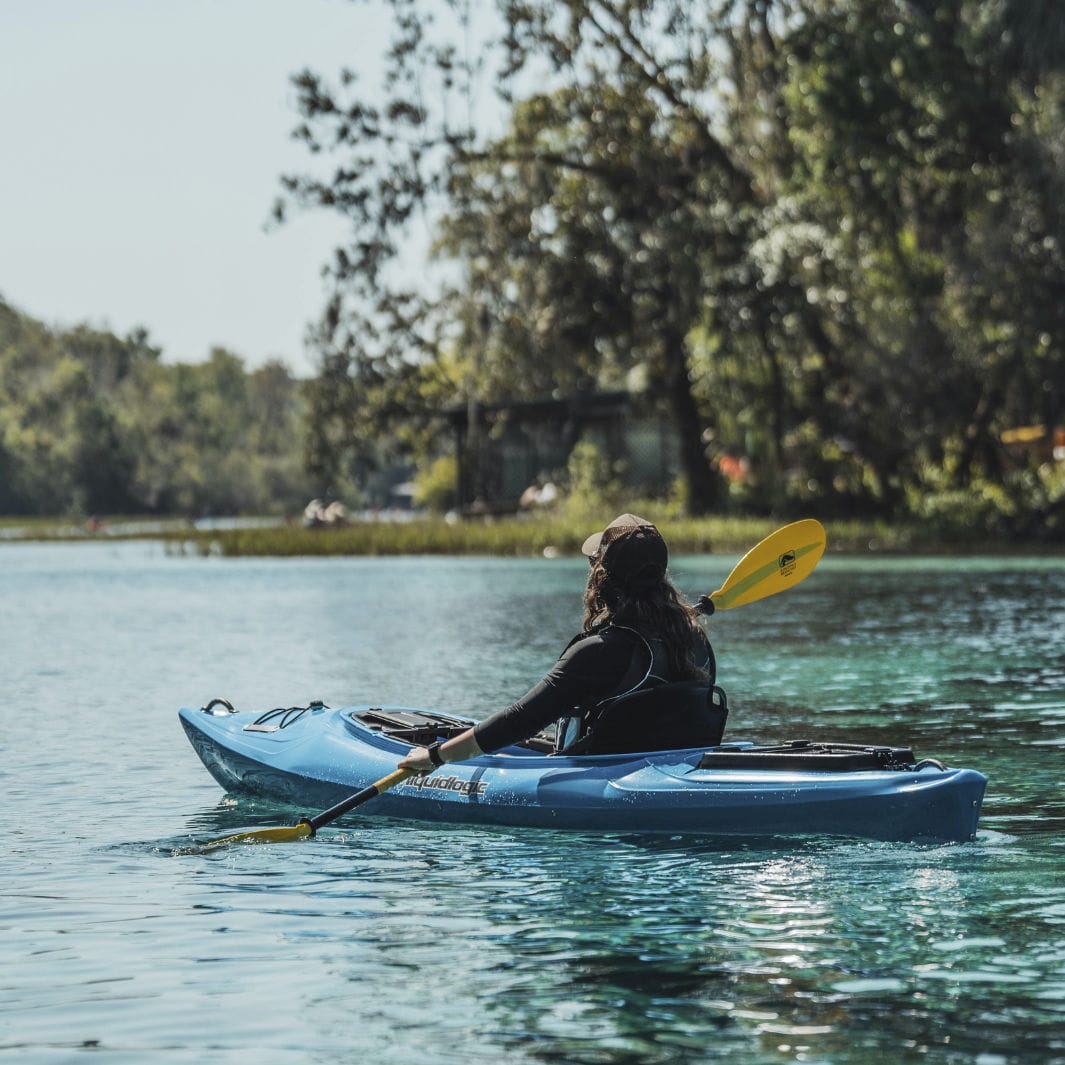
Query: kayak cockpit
{"type": "Point", "coordinates": [421, 727]}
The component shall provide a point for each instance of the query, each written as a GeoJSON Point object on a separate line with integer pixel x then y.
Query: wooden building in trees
{"type": "Point", "coordinates": [503, 448]}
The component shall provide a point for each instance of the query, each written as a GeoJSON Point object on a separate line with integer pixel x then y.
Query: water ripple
{"type": "Point", "coordinates": [392, 941]}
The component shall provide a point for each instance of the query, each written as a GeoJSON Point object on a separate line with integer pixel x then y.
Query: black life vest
{"type": "Point", "coordinates": [648, 710]}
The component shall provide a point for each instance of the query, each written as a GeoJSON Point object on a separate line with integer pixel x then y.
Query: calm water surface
{"type": "Point", "coordinates": [390, 942]}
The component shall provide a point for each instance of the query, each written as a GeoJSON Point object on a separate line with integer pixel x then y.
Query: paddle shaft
{"type": "Point", "coordinates": [367, 793]}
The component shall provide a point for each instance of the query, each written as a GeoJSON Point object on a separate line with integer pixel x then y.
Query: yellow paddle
{"type": "Point", "coordinates": [780, 561]}
{"type": "Point", "coordinates": [308, 826]}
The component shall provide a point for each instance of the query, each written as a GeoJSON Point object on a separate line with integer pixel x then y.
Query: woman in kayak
{"type": "Point", "coordinates": [639, 634]}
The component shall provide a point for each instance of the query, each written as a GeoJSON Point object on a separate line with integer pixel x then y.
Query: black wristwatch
{"type": "Point", "coordinates": [434, 752]}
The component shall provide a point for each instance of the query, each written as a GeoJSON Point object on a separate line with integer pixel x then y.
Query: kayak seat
{"type": "Point", "coordinates": [669, 717]}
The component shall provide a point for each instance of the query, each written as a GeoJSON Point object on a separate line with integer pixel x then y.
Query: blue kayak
{"type": "Point", "coordinates": [316, 756]}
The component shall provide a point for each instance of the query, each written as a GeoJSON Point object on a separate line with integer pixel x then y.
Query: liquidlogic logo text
{"type": "Point", "coordinates": [437, 783]}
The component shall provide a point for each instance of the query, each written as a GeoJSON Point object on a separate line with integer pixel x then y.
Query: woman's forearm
{"type": "Point", "coordinates": [461, 747]}
{"type": "Point", "coordinates": [456, 749]}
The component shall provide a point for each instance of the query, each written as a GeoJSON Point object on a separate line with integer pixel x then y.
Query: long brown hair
{"type": "Point", "coordinates": [655, 610]}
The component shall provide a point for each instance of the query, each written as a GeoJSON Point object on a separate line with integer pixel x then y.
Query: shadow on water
{"type": "Point", "coordinates": [235, 814]}
{"type": "Point", "coordinates": [667, 953]}
{"type": "Point", "coordinates": [584, 948]}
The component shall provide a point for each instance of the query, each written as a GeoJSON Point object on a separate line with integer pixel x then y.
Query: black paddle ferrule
{"type": "Point", "coordinates": [310, 824]}
{"type": "Point", "coordinates": [705, 605]}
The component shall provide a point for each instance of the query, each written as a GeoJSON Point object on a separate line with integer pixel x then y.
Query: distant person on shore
{"type": "Point", "coordinates": [538, 495]}
{"type": "Point", "coordinates": [317, 515]}
{"type": "Point", "coordinates": [607, 692]}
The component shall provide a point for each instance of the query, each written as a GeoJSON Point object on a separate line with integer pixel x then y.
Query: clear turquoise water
{"type": "Point", "coordinates": [391, 942]}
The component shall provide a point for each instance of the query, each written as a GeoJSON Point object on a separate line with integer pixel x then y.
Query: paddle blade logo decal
{"type": "Point", "coordinates": [786, 563]}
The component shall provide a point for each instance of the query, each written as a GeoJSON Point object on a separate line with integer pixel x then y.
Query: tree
{"type": "Point", "coordinates": [620, 174]}
{"type": "Point", "coordinates": [831, 230]}
{"type": "Point", "coordinates": [914, 131]}
{"type": "Point", "coordinates": [95, 423]}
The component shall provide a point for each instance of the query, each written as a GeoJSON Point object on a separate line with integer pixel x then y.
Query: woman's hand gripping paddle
{"type": "Point", "coordinates": [779, 562]}
{"type": "Point", "coordinates": [310, 825]}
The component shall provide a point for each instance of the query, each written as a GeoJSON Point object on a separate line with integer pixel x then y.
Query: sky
{"type": "Point", "coordinates": [141, 146]}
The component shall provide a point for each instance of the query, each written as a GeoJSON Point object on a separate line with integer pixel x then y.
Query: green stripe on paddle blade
{"type": "Point", "coordinates": [780, 561]}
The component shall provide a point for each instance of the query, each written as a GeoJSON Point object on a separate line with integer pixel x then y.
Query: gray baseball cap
{"type": "Point", "coordinates": [630, 549]}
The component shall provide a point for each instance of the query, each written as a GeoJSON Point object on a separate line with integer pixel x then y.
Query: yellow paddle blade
{"type": "Point", "coordinates": [309, 825]}
{"type": "Point", "coordinates": [780, 561]}
{"type": "Point", "coordinates": [266, 835]}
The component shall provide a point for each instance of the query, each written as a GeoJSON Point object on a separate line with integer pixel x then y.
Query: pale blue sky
{"type": "Point", "coordinates": [141, 145]}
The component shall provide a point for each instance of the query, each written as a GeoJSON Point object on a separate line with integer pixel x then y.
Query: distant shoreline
{"type": "Point", "coordinates": [539, 536]}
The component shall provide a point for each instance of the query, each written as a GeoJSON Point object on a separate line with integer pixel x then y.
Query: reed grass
{"type": "Point", "coordinates": [522, 538]}
{"type": "Point", "coordinates": [526, 536]}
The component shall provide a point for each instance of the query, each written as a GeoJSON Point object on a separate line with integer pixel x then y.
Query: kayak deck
{"type": "Point", "coordinates": [316, 756]}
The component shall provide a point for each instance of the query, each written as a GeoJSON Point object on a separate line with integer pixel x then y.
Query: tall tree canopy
{"type": "Point", "coordinates": [827, 233]}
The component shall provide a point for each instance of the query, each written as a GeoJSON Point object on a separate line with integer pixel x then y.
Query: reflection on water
{"type": "Point", "coordinates": [644, 949]}
{"type": "Point", "coordinates": [391, 940]}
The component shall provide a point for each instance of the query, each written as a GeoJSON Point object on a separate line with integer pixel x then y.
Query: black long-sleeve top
{"type": "Point", "coordinates": [591, 669]}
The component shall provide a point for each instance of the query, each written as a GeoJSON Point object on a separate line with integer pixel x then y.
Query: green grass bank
{"type": "Point", "coordinates": [513, 537]}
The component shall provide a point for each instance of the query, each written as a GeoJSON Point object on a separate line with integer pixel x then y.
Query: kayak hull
{"type": "Point", "coordinates": [324, 755]}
